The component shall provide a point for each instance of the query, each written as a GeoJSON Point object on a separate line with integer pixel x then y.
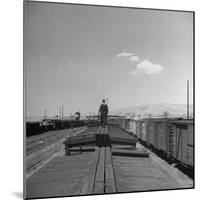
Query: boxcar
{"type": "Point", "coordinates": [113, 121]}
{"type": "Point", "coordinates": [183, 147]}
{"type": "Point", "coordinates": [158, 134]}
{"type": "Point", "coordinates": [140, 130]}
{"type": "Point", "coordinates": [143, 129]}
{"type": "Point", "coordinates": [151, 133]}
{"type": "Point", "coordinates": [137, 128]}
{"type": "Point", "coordinates": [33, 128]}
{"type": "Point", "coordinates": [132, 127]}
{"type": "Point", "coordinates": [122, 123]}
{"type": "Point", "coordinates": [165, 134]}
{"type": "Point", "coordinates": [127, 125]}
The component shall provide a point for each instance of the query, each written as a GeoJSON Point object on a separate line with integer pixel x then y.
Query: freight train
{"type": "Point", "coordinates": [170, 137]}
{"type": "Point", "coordinates": [38, 127]}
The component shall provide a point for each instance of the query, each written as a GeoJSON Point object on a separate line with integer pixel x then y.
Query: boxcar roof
{"type": "Point", "coordinates": [189, 121]}
{"type": "Point", "coordinates": [158, 119]}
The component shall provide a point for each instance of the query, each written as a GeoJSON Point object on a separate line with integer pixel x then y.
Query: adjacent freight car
{"type": "Point", "coordinates": [158, 134]}
{"type": "Point", "coordinates": [142, 129]}
{"type": "Point", "coordinates": [133, 127]}
{"type": "Point", "coordinates": [183, 146]}
{"type": "Point", "coordinates": [122, 123]}
{"type": "Point", "coordinates": [113, 121]}
{"type": "Point", "coordinates": [128, 124]}
{"type": "Point", "coordinates": [172, 137]}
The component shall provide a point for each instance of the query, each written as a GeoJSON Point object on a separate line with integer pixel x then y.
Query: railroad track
{"type": "Point", "coordinates": [39, 142]}
{"type": "Point", "coordinates": [38, 155]}
{"type": "Point", "coordinates": [36, 138]}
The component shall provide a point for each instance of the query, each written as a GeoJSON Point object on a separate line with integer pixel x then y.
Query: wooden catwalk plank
{"type": "Point", "coordinates": [110, 185]}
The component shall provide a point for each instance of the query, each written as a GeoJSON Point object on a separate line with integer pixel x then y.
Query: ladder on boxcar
{"type": "Point", "coordinates": [170, 140]}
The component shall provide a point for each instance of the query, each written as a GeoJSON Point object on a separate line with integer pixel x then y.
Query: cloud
{"type": "Point", "coordinates": [128, 56]}
{"type": "Point", "coordinates": [147, 67]}
{"type": "Point", "coordinates": [134, 58]}
{"type": "Point", "coordinates": [124, 54]}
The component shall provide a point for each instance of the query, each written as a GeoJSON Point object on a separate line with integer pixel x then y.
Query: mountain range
{"type": "Point", "coordinates": [156, 110]}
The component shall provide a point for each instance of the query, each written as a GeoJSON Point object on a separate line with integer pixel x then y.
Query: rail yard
{"type": "Point", "coordinates": [125, 156]}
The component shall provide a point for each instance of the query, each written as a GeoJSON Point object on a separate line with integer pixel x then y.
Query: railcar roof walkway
{"type": "Point", "coordinates": [103, 165]}
{"type": "Point", "coordinates": [106, 136]}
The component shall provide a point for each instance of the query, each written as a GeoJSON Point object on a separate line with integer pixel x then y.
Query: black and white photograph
{"type": "Point", "coordinates": [108, 99]}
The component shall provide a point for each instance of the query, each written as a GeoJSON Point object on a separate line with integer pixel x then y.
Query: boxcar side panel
{"type": "Point", "coordinates": [143, 130]}
{"type": "Point", "coordinates": [190, 146]}
{"type": "Point", "coordinates": [133, 126]}
{"type": "Point", "coordinates": [183, 144]}
{"type": "Point", "coordinates": [155, 142]}
{"type": "Point", "coordinates": [140, 130]}
{"type": "Point", "coordinates": [184, 147]}
{"type": "Point", "coordinates": [162, 136]}
{"type": "Point", "coordinates": [175, 141]}
{"type": "Point", "coordinates": [151, 131]}
{"type": "Point", "coordinates": [137, 128]}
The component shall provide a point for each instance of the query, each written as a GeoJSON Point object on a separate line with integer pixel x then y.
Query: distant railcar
{"type": "Point", "coordinates": [113, 121]}
{"type": "Point", "coordinates": [76, 123]}
{"type": "Point", "coordinates": [140, 129]}
{"type": "Point", "coordinates": [136, 124]}
{"type": "Point", "coordinates": [92, 123]}
{"type": "Point", "coordinates": [122, 123]}
{"type": "Point", "coordinates": [33, 128]}
{"type": "Point", "coordinates": [64, 124]}
{"type": "Point", "coordinates": [132, 127]}
{"type": "Point", "coordinates": [127, 125]}
{"type": "Point", "coordinates": [151, 133]}
{"type": "Point", "coordinates": [60, 124]}
{"type": "Point", "coordinates": [143, 129]}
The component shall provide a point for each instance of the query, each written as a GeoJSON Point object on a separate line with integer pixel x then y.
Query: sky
{"type": "Point", "coordinates": [77, 55]}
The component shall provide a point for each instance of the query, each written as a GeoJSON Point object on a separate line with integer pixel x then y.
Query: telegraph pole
{"type": "Point", "coordinates": [188, 99]}
{"type": "Point", "coordinates": [45, 113]}
{"type": "Point", "coordinates": [60, 113]}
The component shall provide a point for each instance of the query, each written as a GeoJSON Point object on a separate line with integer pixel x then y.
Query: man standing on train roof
{"type": "Point", "coordinates": [103, 111]}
